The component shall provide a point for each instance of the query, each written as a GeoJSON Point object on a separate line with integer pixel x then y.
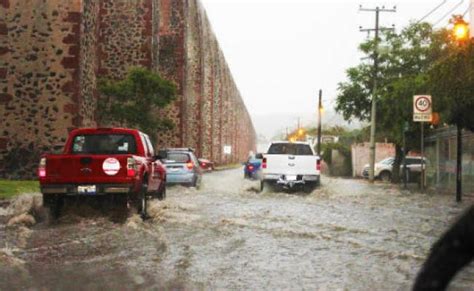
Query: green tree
{"type": "Point", "coordinates": [135, 100]}
{"type": "Point", "coordinates": [404, 60]}
{"type": "Point", "coordinates": [451, 82]}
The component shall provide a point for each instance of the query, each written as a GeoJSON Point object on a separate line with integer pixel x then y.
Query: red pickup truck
{"type": "Point", "coordinates": [115, 162]}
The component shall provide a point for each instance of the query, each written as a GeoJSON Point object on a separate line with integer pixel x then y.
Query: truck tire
{"type": "Point", "coordinates": [161, 195]}
{"type": "Point", "coordinates": [263, 185]}
{"type": "Point", "coordinates": [309, 187]}
{"type": "Point", "coordinates": [143, 209]}
{"type": "Point", "coordinates": [53, 204]}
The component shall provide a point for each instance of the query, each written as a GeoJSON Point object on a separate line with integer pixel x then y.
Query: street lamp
{"type": "Point", "coordinates": [460, 29]}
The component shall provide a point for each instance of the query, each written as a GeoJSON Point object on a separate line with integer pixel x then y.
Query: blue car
{"type": "Point", "coordinates": [182, 167]}
{"type": "Point", "coordinates": [252, 168]}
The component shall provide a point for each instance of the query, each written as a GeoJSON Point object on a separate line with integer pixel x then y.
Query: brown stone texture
{"type": "Point", "coordinates": [53, 52]}
{"type": "Point", "coordinates": [37, 65]}
{"type": "Point", "coordinates": [209, 112]}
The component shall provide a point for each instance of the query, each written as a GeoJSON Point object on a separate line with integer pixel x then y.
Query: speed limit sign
{"type": "Point", "coordinates": [422, 108]}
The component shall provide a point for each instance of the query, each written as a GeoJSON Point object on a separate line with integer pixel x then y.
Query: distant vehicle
{"type": "Point", "coordinates": [383, 170]}
{"type": "Point", "coordinates": [182, 167]}
{"type": "Point", "coordinates": [252, 167]}
{"type": "Point", "coordinates": [115, 162]}
{"type": "Point", "coordinates": [206, 164]}
{"type": "Point", "coordinates": [291, 164]}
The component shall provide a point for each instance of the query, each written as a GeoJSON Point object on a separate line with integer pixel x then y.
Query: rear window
{"type": "Point", "coordinates": [110, 144]}
{"type": "Point", "coordinates": [290, 149]}
{"type": "Point", "coordinates": [174, 158]}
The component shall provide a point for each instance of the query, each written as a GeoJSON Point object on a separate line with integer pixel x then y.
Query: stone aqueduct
{"type": "Point", "coordinates": [52, 52]}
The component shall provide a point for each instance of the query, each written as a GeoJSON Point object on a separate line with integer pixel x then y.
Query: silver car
{"type": "Point", "coordinates": [384, 168]}
{"type": "Point", "coordinates": [182, 167]}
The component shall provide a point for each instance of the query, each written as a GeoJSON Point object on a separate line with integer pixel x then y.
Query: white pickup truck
{"type": "Point", "coordinates": [289, 165]}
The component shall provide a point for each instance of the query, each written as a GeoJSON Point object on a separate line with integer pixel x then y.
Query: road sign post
{"type": "Point", "coordinates": [422, 112]}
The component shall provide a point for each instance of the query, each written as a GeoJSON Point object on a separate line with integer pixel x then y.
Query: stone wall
{"type": "Point", "coordinates": [209, 112]}
{"type": "Point", "coordinates": [41, 96]}
{"type": "Point", "coordinates": [53, 52]}
{"type": "Point", "coordinates": [125, 36]}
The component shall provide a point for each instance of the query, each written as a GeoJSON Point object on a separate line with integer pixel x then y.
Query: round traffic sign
{"type": "Point", "coordinates": [422, 103]}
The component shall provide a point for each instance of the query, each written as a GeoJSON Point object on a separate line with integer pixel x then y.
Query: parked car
{"type": "Point", "coordinates": [116, 162]}
{"type": "Point", "coordinates": [384, 169]}
{"type": "Point", "coordinates": [291, 164]}
{"type": "Point", "coordinates": [252, 167]}
{"type": "Point", "coordinates": [206, 164]}
{"type": "Point", "coordinates": [182, 167]}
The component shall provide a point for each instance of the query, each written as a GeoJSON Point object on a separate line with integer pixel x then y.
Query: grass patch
{"type": "Point", "coordinates": [11, 188]}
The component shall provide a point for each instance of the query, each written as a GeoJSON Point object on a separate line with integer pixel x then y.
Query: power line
{"type": "Point", "coordinates": [448, 13]}
{"type": "Point", "coordinates": [467, 10]}
{"type": "Point", "coordinates": [432, 11]}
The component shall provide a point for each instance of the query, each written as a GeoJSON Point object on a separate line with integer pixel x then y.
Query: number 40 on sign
{"type": "Point", "coordinates": [422, 109]}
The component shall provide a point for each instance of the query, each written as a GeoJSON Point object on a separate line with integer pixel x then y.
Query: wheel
{"type": "Point", "coordinates": [196, 183]}
{"type": "Point", "coordinates": [144, 200]}
{"type": "Point", "coordinates": [309, 187]}
{"type": "Point", "coordinates": [386, 176]}
{"type": "Point", "coordinates": [54, 205]}
{"type": "Point", "coordinates": [263, 185]}
{"type": "Point", "coordinates": [162, 192]}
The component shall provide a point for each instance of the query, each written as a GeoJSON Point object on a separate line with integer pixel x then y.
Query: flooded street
{"type": "Point", "coordinates": [345, 235]}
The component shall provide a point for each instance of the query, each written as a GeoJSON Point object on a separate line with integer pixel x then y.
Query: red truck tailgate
{"type": "Point", "coordinates": [75, 169]}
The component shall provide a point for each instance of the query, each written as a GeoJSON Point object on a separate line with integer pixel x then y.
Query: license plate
{"type": "Point", "coordinates": [291, 177]}
{"type": "Point", "coordinates": [89, 189]}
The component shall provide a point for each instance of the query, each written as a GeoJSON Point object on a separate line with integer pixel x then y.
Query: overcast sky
{"type": "Point", "coordinates": [281, 52]}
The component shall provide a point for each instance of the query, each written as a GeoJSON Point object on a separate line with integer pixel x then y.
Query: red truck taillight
{"type": "Point", "coordinates": [131, 167]}
{"type": "Point", "coordinates": [264, 163]}
{"type": "Point", "coordinates": [318, 165]}
{"type": "Point", "coordinates": [42, 168]}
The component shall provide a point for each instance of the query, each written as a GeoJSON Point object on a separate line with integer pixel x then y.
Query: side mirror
{"type": "Point", "coordinates": [259, 156]}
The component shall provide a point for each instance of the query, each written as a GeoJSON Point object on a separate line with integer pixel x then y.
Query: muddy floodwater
{"type": "Point", "coordinates": [346, 235]}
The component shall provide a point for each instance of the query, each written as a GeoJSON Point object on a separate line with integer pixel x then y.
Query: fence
{"type": "Point", "coordinates": [441, 152]}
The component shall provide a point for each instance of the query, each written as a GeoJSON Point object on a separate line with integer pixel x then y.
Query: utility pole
{"type": "Point", "coordinates": [377, 11]}
{"type": "Point", "coordinates": [459, 164]}
{"type": "Point", "coordinates": [319, 121]}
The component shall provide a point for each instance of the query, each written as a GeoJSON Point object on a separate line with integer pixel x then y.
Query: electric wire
{"type": "Point", "coordinates": [467, 10]}
{"type": "Point", "coordinates": [449, 12]}
{"type": "Point", "coordinates": [432, 11]}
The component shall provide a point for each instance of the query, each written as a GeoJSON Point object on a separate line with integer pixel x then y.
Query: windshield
{"type": "Point", "coordinates": [110, 144]}
{"type": "Point", "coordinates": [387, 161]}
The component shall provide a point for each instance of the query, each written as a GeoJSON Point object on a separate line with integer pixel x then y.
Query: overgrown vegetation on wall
{"type": "Point", "coordinates": [134, 100]}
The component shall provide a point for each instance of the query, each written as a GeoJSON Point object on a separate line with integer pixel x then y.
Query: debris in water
{"type": "Point", "coordinates": [22, 219]}
{"type": "Point", "coordinates": [26, 203]}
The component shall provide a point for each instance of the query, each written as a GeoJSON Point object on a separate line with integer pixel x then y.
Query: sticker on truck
{"type": "Point", "coordinates": [111, 166]}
